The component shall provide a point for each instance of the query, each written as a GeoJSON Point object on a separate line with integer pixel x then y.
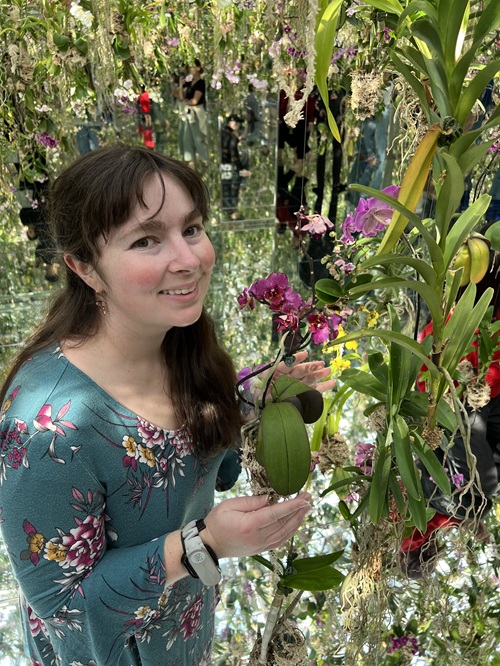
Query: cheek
{"type": "Point", "coordinates": [208, 256]}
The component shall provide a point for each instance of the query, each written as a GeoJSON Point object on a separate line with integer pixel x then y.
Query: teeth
{"type": "Point", "coordinates": [177, 292]}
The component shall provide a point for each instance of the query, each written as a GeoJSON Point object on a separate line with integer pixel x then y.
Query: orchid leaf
{"type": "Point", "coordinates": [463, 144]}
{"type": "Point", "coordinates": [474, 155]}
{"type": "Point", "coordinates": [365, 383]}
{"type": "Point", "coordinates": [450, 194]}
{"type": "Point", "coordinates": [404, 458]}
{"type": "Point", "coordinates": [324, 44]}
{"type": "Point", "coordinates": [389, 6]}
{"type": "Point", "coordinates": [380, 482]}
{"type": "Point", "coordinates": [492, 233]}
{"type": "Point", "coordinates": [466, 223]}
{"type": "Point", "coordinates": [475, 89]}
{"type": "Point", "coordinates": [315, 580]}
{"type": "Point", "coordinates": [412, 187]}
{"type": "Point", "coordinates": [426, 272]}
{"type": "Point", "coordinates": [418, 511]}
{"type": "Point", "coordinates": [451, 15]}
{"type": "Point", "coordinates": [431, 463]}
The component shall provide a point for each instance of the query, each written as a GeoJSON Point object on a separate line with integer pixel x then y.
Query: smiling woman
{"type": "Point", "coordinates": [120, 412]}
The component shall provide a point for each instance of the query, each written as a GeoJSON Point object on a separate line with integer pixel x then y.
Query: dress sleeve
{"type": "Point", "coordinates": [55, 527]}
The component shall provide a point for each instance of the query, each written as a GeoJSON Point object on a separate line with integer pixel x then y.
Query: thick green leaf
{"type": "Point", "coordinates": [328, 291]}
{"type": "Point", "coordinates": [493, 235]}
{"type": "Point", "coordinates": [418, 511]}
{"type": "Point", "coordinates": [324, 43]}
{"type": "Point", "coordinates": [475, 89]}
{"type": "Point", "coordinates": [378, 367]}
{"type": "Point", "coordinates": [431, 463]}
{"type": "Point", "coordinates": [427, 31]}
{"type": "Point", "coordinates": [404, 458]}
{"type": "Point", "coordinates": [306, 564]}
{"type": "Point", "coordinates": [450, 19]}
{"type": "Point", "coordinates": [464, 143]}
{"type": "Point", "coordinates": [474, 155]}
{"type": "Point", "coordinates": [450, 195]}
{"type": "Point", "coordinates": [389, 6]}
{"type": "Point", "coordinates": [285, 387]}
{"type": "Point", "coordinates": [314, 581]}
{"type": "Point", "coordinates": [421, 8]}
{"type": "Point", "coordinates": [343, 483]}
{"type": "Point", "coordinates": [380, 483]}
{"type": "Point", "coordinates": [397, 494]}
{"type": "Point", "coordinates": [365, 383]}
{"type": "Point", "coordinates": [466, 223]}
{"type": "Point", "coordinates": [412, 80]}
{"type": "Point", "coordinates": [427, 273]}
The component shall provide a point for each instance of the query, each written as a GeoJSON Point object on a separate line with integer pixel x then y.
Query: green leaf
{"type": "Point", "coordinates": [263, 561]}
{"type": "Point", "coordinates": [462, 325]}
{"type": "Point", "coordinates": [397, 494]}
{"type": "Point", "coordinates": [464, 143]}
{"type": "Point", "coordinates": [492, 233]}
{"type": "Point", "coordinates": [389, 6]}
{"type": "Point", "coordinates": [432, 464]}
{"type": "Point", "coordinates": [450, 195]}
{"type": "Point", "coordinates": [450, 19]}
{"type": "Point", "coordinates": [342, 483]}
{"type": "Point", "coordinates": [378, 367]}
{"type": "Point", "coordinates": [324, 44]}
{"type": "Point", "coordinates": [306, 564]}
{"type": "Point", "coordinates": [466, 223]}
{"type": "Point", "coordinates": [426, 30]}
{"type": "Point", "coordinates": [328, 290]}
{"type": "Point", "coordinates": [475, 89]}
{"type": "Point", "coordinates": [380, 483]}
{"type": "Point", "coordinates": [468, 160]}
{"type": "Point", "coordinates": [61, 41]}
{"type": "Point", "coordinates": [426, 272]}
{"type": "Point", "coordinates": [285, 387]}
{"type": "Point", "coordinates": [412, 80]}
{"type": "Point", "coordinates": [404, 458]}
{"type": "Point", "coordinates": [314, 581]}
{"type": "Point", "coordinates": [365, 383]}
{"type": "Point", "coordinates": [418, 511]}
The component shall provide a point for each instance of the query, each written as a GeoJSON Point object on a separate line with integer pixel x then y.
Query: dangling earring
{"type": "Point", "coordinates": [101, 304]}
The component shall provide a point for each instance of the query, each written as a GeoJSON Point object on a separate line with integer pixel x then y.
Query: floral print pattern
{"type": "Point", "coordinates": [102, 486]}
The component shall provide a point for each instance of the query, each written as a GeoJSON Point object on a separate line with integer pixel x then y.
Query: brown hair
{"type": "Point", "coordinates": [93, 195]}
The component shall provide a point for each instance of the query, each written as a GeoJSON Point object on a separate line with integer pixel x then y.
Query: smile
{"type": "Point", "coordinates": [178, 292]}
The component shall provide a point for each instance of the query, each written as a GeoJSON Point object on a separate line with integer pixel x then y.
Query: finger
{"type": "Point", "coordinates": [286, 528]}
{"type": "Point", "coordinates": [271, 515]}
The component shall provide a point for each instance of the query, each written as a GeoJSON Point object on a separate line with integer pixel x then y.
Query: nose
{"type": "Point", "coordinates": [182, 257]}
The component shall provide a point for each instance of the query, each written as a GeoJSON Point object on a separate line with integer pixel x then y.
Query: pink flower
{"type": "Point", "coordinates": [287, 322]}
{"type": "Point", "coordinates": [370, 217]}
{"type": "Point", "coordinates": [182, 443]}
{"type": "Point", "coordinates": [319, 328]}
{"type": "Point", "coordinates": [277, 292]}
{"type": "Point", "coordinates": [317, 225]}
{"type": "Point", "coordinates": [190, 618]}
{"type": "Point", "coordinates": [85, 543]}
{"type": "Point", "coordinates": [35, 623]}
{"type": "Point", "coordinates": [245, 298]}
{"type": "Point", "coordinates": [363, 457]}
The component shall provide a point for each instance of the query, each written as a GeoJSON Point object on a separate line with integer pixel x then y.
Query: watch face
{"type": "Point", "coordinates": [197, 557]}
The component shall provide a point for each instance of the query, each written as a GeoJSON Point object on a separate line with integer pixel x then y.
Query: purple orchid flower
{"type": "Point", "coordinates": [370, 217]}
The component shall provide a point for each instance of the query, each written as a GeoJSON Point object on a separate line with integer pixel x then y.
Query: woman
{"type": "Point", "coordinates": [116, 420]}
{"type": "Point", "coordinates": [193, 94]}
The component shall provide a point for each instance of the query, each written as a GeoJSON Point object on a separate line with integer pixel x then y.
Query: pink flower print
{"type": "Point", "coordinates": [190, 618]}
{"type": "Point", "coordinates": [182, 443]}
{"type": "Point", "coordinates": [84, 543]}
{"type": "Point", "coordinates": [36, 543]}
{"type": "Point", "coordinates": [150, 434]}
{"type": "Point", "coordinates": [44, 421]}
{"type": "Point", "coordinates": [16, 457]}
{"type": "Point", "coordinates": [35, 623]}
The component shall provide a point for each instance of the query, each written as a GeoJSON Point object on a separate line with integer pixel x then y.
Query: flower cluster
{"type": "Point", "coordinates": [46, 140]}
{"type": "Point", "coordinates": [406, 643]}
{"type": "Point", "coordinates": [316, 225]}
{"type": "Point", "coordinates": [370, 217]}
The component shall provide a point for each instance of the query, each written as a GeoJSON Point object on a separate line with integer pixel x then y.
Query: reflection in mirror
{"type": "Point", "coordinates": [247, 145]}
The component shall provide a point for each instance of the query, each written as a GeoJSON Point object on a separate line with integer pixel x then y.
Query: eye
{"type": "Point", "coordinates": [194, 230]}
{"type": "Point", "coordinates": [145, 242]}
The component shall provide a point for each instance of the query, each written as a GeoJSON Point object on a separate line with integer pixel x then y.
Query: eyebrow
{"type": "Point", "coordinates": [154, 225]}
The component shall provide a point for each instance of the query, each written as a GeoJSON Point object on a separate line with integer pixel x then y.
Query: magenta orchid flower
{"type": "Point", "coordinates": [370, 217]}
{"type": "Point", "coordinates": [316, 226]}
{"type": "Point", "coordinates": [319, 328]}
{"type": "Point", "coordinates": [274, 290]}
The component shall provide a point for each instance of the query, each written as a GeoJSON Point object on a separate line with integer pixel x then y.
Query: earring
{"type": "Point", "coordinates": [101, 304]}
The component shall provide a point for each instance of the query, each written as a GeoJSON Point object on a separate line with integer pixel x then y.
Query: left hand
{"type": "Point", "coordinates": [313, 373]}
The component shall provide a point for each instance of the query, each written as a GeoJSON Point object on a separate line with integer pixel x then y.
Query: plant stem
{"type": "Point", "coordinates": [272, 619]}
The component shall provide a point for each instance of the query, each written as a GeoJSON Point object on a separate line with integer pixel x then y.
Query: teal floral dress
{"type": "Point", "coordinates": [88, 492]}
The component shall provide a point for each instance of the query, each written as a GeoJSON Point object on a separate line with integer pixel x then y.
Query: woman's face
{"type": "Point", "coordinates": [154, 271]}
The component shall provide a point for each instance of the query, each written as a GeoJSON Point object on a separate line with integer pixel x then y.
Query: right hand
{"type": "Point", "coordinates": [245, 173]}
{"type": "Point", "coordinates": [249, 525]}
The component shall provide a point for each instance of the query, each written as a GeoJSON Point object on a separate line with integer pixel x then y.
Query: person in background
{"type": "Point", "coordinates": [119, 419]}
{"type": "Point", "coordinates": [195, 129]}
{"type": "Point", "coordinates": [233, 170]}
{"type": "Point", "coordinates": [145, 118]}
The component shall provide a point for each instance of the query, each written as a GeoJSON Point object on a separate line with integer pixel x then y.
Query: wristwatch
{"type": "Point", "coordinates": [198, 558]}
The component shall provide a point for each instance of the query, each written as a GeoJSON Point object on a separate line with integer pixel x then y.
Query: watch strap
{"type": "Point", "coordinates": [206, 568]}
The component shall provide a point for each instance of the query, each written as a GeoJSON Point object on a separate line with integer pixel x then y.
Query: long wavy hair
{"type": "Point", "coordinates": [95, 194]}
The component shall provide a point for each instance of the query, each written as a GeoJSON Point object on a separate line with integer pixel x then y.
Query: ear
{"type": "Point", "coordinates": [85, 272]}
